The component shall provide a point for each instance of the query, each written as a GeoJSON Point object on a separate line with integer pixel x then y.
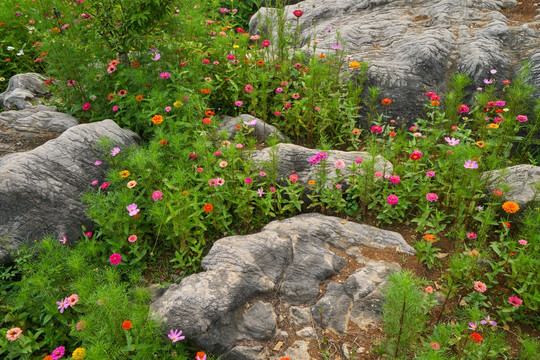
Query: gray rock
{"type": "Point", "coordinates": [297, 351]}
{"type": "Point", "coordinates": [26, 129]}
{"type": "Point", "coordinates": [241, 352]}
{"type": "Point", "coordinates": [23, 90]}
{"type": "Point", "coordinates": [225, 307]}
{"type": "Point", "coordinates": [358, 299]}
{"type": "Point", "coordinates": [520, 183]}
{"type": "Point", "coordinates": [307, 332]}
{"type": "Point", "coordinates": [294, 158]}
{"type": "Point", "coordinates": [300, 316]}
{"type": "Point", "coordinates": [40, 189]}
{"type": "Point", "coordinates": [412, 45]}
{"type": "Point", "coordinates": [261, 130]}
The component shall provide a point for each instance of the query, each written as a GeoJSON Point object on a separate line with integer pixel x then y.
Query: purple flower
{"type": "Point", "coordinates": [63, 240]}
{"type": "Point", "coordinates": [174, 335]}
{"type": "Point", "coordinates": [469, 164]}
{"type": "Point", "coordinates": [473, 325]}
{"type": "Point", "coordinates": [132, 209]}
{"type": "Point", "coordinates": [452, 141]}
{"type": "Point", "coordinates": [487, 320]}
{"type": "Point", "coordinates": [260, 191]}
{"type": "Point", "coordinates": [336, 46]}
{"type": "Point", "coordinates": [62, 305]}
{"type": "Point", "coordinates": [115, 151]}
{"type": "Point", "coordinates": [97, 163]}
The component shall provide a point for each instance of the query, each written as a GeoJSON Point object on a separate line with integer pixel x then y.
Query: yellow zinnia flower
{"type": "Point", "coordinates": [354, 64]}
{"type": "Point", "coordinates": [493, 126]}
{"type": "Point", "coordinates": [178, 103]}
{"type": "Point", "coordinates": [124, 173]}
{"type": "Point", "coordinates": [79, 354]}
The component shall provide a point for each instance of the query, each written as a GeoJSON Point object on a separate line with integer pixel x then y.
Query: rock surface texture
{"type": "Point", "coordinates": [27, 129]}
{"type": "Point", "coordinates": [23, 90]}
{"type": "Point", "coordinates": [257, 290]}
{"type": "Point", "coordinates": [261, 130]}
{"type": "Point", "coordinates": [40, 189]}
{"type": "Point", "coordinates": [294, 158]}
{"type": "Point", "coordinates": [413, 45]}
{"type": "Point", "coordinates": [522, 181]}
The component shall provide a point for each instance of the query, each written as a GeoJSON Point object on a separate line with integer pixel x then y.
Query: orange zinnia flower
{"type": "Point", "coordinates": [311, 182]}
{"type": "Point", "coordinates": [205, 91]}
{"type": "Point", "coordinates": [207, 121]}
{"type": "Point", "coordinates": [354, 65]}
{"type": "Point", "coordinates": [135, 64]}
{"type": "Point", "coordinates": [321, 56]}
{"type": "Point", "coordinates": [139, 98]}
{"type": "Point", "coordinates": [480, 144]}
{"type": "Point", "coordinates": [429, 237]}
{"type": "Point", "coordinates": [493, 126]}
{"type": "Point", "coordinates": [386, 101]}
{"type": "Point", "coordinates": [392, 134]}
{"type": "Point", "coordinates": [260, 62]}
{"type": "Point", "coordinates": [110, 97]}
{"type": "Point", "coordinates": [163, 142]}
{"type": "Point", "coordinates": [209, 113]}
{"type": "Point", "coordinates": [435, 103]}
{"type": "Point", "coordinates": [510, 207]}
{"type": "Point", "coordinates": [157, 119]}
{"type": "Point", "coordinates": [356, 131]}
{"type": "Point", "coordinates": [126, 325]}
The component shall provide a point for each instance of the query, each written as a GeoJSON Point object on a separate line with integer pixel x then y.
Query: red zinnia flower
{"type": "Point", "coordinates": [298, 13]}
{"type": "Point", "coordinates": [386, 101]}
{"type": "Point", "coordinates": [208, 208]}
{"type": "Point", "coordinates": [476, 337]}
{"type": "Point", "coordinates": [416, 155]}
{"type": "Point", "coordinates": [126, 325]}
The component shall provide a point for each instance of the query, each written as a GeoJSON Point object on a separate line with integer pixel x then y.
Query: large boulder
{"type": "Point", "coordinates": [238, 304]}
{"type": "Point", "coordinates": [40, 189]}
{"type": "Point", "coordinates": [261, 130]}
{"type": "Point", "coordinates": [23, 90]}
{"type": "Point", "coordinates": [520, 183]}
{"type": "Point", "coordinates": [415, 45]}
{"type": "Point", "coordinates": [26, 129]}
{"type": "Point", "coordinates": [295, 159]}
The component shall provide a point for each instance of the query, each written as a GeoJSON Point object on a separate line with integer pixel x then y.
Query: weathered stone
{"type": "Point", "coordinates": [295, 158]}
{"type": "Point", "coordinates": [224, 306]}
{"type": "Point", "coordinates": [26, 129]}
{"type": "Point", "coordinates": [40, 189]}
{"type": "Point", "coordinates": [23, 90]}
{"type": "Point", "coordinates": [300, 316]}
{"type": "Point", "coordinates": [261, 130]}
{"type": "Point", "coordinates": [257, 352]}
{"type": "Point", "coordinates": [307, 332]}
{"type": "Point", "coordinates": [520, 183]}
{"type": "Point", "coordinates": [297, 351]}
{"type": "Point", "coordinates": [413, 45]}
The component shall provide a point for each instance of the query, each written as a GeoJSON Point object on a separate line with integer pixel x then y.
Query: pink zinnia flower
{"type": "Point", "coordinates": [293, 178]}
{"type": "Point", "coordinates": [94, 183]}
{"type": "Point", "coordinates": [86, 106]}
{"type": "Point", "coordinates": [471, 235]}
{"type": "Point", "coordinates": [72, 299]}
{"type": "Point", "coordinates": [514, 300]}
{"type": "Point", "coordinates": [165, 75]}
{"type": "Point", "coordinates": [430, 173]}
{"type": "Point", "coordinates": [265, 43]}
{"type": "Point", "coordinates": [463, 109]}
{"type": "Point", "coordinates": [13, 334]}
{"type": "Point", "coordinates": [248, 88]}
{"type": "Point", "coordinates": [80, 325]}
{"type": "Point", "coordinates": [358, 160]}
{"type": "Point", "coordinates": [480, 286]}
{"type": "Point", "coordinates": [376, 129]}
{"type": "Point", "coordinates": [395, 179]}
{"type": "Point", "coordinates": [223, 164]}
{"type": "Point", "coordinates": [115, 108]}
{"type": "Point", "coordinates": [521, 118]}
{"type": "Point", "coordinates": [378, 174]}
{"type": "Point", "coordinates": [168, 108]}
{"type": "Point", "coordinates": [522, 242]}
{"type": "Point", "coordinates": [434, 345]}
{"type": "Point", "coordinates": [115, 259]}
{"type": "Point", "coordinates": [132, 238]}
{"type": "Point", "coordinates": [429, 289]}
{"type": "Point", "coordinates": [279, 90]}
{"type": "Point", "coordinates": [339, 164]}
{"type": "Point", "coordinates": [432, 197]}
{"type": "Point", "coordinates": [238, 103]}
{"type": "Point", "coordinates": [132, 209]}
{"type": "Point", "coordinates": [248, 180]}
{"type": "Point", "coordinates": [157, 195]}
{"type": "Point", "coordinates": [105, 185]}
{"type": "Point", "coordinates": [272, 189]}
{"type": "Point", "coordinates": [239, 146]}
{"type": "Point", "coordinates": [392, 199]}
{"type": "Point", "coordinates": [97, 163]}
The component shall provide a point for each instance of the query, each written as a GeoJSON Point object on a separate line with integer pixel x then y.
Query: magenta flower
{"type": "Point", "coordinates": [314, 160]}
{"type": "Point", "coordinates": [265, 43]}
{"type": "Point", "coordinates": [115, 259]}
{"type": "Point", "coordinates": [62, 305]}
{"type": "Point", "coordinates": [473, 325]}
{"type": "Point", "coordinates": [392, 199]}
{"type": "Point", "coordinates": [248, 180]}
{"type": "Point", "coordinates": [487, 320]}
{"type": "Point", "coordinates": [463, 109]}
{"type": "Point", "coordinates": [105, 185]}
{"type": "Point", "coordinates": [248, 88]}
{"type": "Point", "coordinates": [63, 240]}
{"type": "Point", "coordinates": [432, 197]}
{"type": "Point", "coordinates": [395, 179]}
{"type": "Point", "coordinates": [279, 90]}
{"type": "Point", "coordinates": [115, 151]}
{"type": "Point", "coordinates": [378, 174]}
{"type": "Point", "coordinates": [238, 103]}
{"type": "Point", "coordinates": [430, 173]}
{"type": "Point", "coordinates": [514, 300]}
{"type": "Point", "coordinates": [132, 238]}
{"type": "Point", "coordinates": [471, 235]}
{"type": "Point", "coordinates": [358, 160]}
{"type": "Point", "coordinates": [115, 108]}
{"type": "Point", "coordinates": [157, 195]}
{"type": "Point", "coordinates": [376, 129]}
{"type": "Point", "coordinates": [293, 178]}
{"type": "Point", "coordinates": [133, 209]}
{"type": "Point", "coordinates": [521, 118]}
{"type": "Point", "coordinates": [262, 173]}
{"type": "Point", "coordinates": [470, 164]}
{"type": "Point", "coordinates": [174, 335]}
{"type": "Point", "coordinates": [165, 75]}
{"type": "Point", "coordinates": [86, 106]}
{"type": "Point", "coordinates": [58, 353]}
{"type": "Point", "coordinates": [97, 163]}
{"type": "Point", "coordinates": [322, 155]}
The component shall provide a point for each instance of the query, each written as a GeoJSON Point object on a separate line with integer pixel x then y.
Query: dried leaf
{"type": "Point", "coordinates": [462, 303]}
{"type": "Point", "coordinates": [278, 346]}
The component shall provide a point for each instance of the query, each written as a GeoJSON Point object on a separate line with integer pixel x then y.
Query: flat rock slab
{"type": "Point", "coordinates": [295, 159]}
{"type": "Point", "coordinates": [520, 183]}
{"type": "Point", "coordinates": [23, 90]}
{"type": "Point", "coordinates": [27, 129]}
{"type": "Point", "coordinates": [40, 189]}
{"type": "Point", "coordinates": [232, 306]}
{"type": "Point", "coordinates": [414, 45]}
